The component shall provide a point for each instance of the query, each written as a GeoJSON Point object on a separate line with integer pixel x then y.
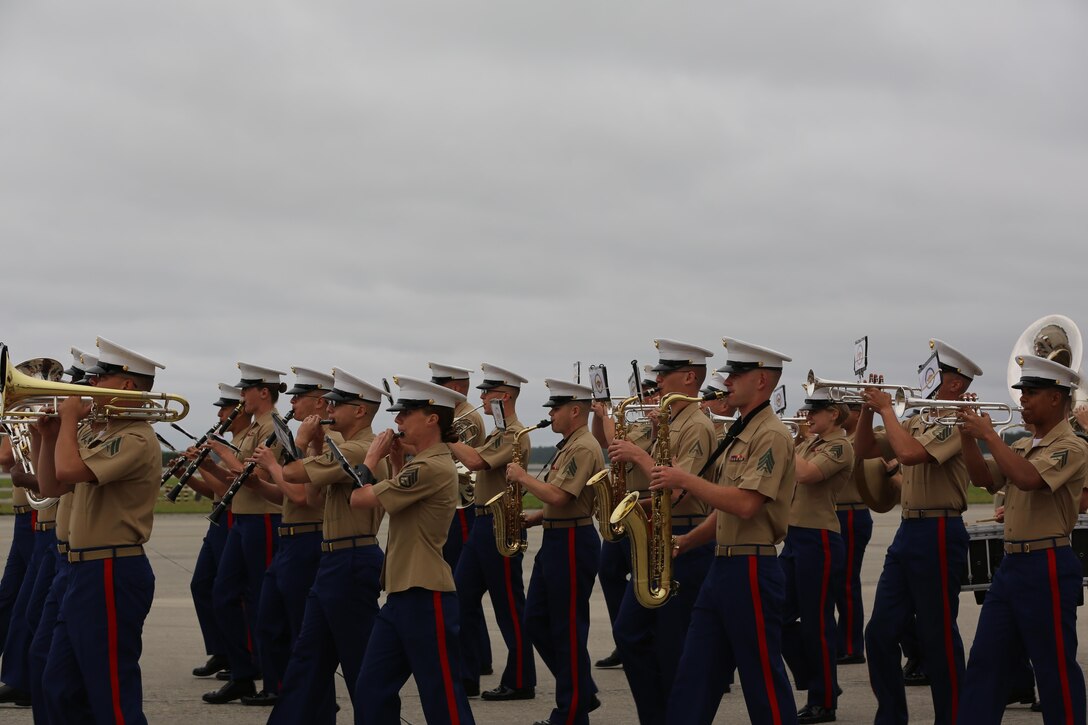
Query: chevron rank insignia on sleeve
{"type": "Point", "coordinates": [1060, 458]}
{"type": "Point", "coordinates": [112, 447]}
{"type": "Point", "coordinates": [408, 478]}
{"type": "Point", "coordinates": [766, 463]}
{"type": "Point", "coordinates": [835, 451]}
{"type": "Point", "coordinates": [943, 433]}
{"type": "Point", "coordinates": [571, 468]}
{"type": "Point", "coordinates": [697, 449]}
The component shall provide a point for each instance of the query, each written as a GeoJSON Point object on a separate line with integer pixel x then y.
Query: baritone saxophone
{"type": "Point", "coordinates": [610, 485]}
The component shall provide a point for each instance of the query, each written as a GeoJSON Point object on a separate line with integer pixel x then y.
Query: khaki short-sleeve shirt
{"type": "Point", "coordinates": [579, 457]}
{"type": "Point", "coordinates": [497, 451]}
{"type": "Point", "coordinates": [849, 492]}
{"type": "Point", "coordinates": [641, 433]}
{"type": "Point", "coordinates": [1051, 512]}
{"type": "Point", "coordinates": [691, 438]}
{"type": "Point", "coordinates": [118, 509]}
{"type": "Point", "coordinates": [340, 520]}
{"type": "Point", "coordinates": [64, 517]}
{"type": "Point", "coordinates": [18, 496]}
{"type": "Point", "coordinates": [421, 501]}
{"type": "Point", "coordinates": [759, 459]}
{"type": "Point", "coordinates": [940, 485]}
{"type": "Point", "coordinates": [814, 503]}
{"type": "Point", "coordinates": [247, 501]}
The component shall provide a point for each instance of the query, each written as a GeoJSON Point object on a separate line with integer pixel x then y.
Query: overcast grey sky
{"type": "Point", "coordinates": [378, 185]}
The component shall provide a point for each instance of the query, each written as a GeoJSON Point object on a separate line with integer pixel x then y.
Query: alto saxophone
{"type": "Point", "coordinates": [506, 507]}
{"type": "Point", "coordinates": [610, 485]}
{"type": "Point", "coordinates": [651, 538]}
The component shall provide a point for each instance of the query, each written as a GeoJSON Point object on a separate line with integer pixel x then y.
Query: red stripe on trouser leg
{"type": "Point", "coordinates": [230, 519]}
{"type": "Point", "coordinates": [519, 677]}
{"type": "Point", "coordinates": [443, 659]}
{"type": "Point", "coordinates": [34, 520]}
{"type": "Point", "coordinates": [111, 640]}
{"type": "Point", "coordinates": [849, 594]}
{"type": "Point", "coordinates": [1059, 641]}
{"type": "Point", "coordinates": [761, 637]}
{"type": "Point", "coordinates": [825, 585]}
{"type": "Point", "coordinates": [267, 540]}
{"type": "Point", "coordinates": [573, 621]}
{"type": "Point", "coordinates": [946, 608]}
{"type": "Point", "coordinates": [463, 518]}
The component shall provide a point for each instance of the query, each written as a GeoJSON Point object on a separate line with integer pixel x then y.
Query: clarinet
{"type": "Point", "coordinates": [217, 429]}
{"type": "Point", "coordinates": [237, 483]}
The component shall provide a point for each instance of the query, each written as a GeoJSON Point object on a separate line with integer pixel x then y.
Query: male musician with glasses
{"type": "Point", "coordinates": [481, 567]}
{"type": "Point", "coordinates": [476, 648]}
{"type": "Point", "coordinates": [925, 562]}
{"type": "Point", "coordinates": [93, 664]}
{"type": "Point", "coordinates": [252, 541]}
{"type": "Point", "coordinates": [343, 602]}
{"type": "Point", "coordinates": [650, 641]}
{"type": "Point", "coordinates": [737, 619]}
{"type": "Point", "coordinates": [1032, 601]}
{"type": "Point", "coordinates": [288, 578]}
{"type": "Point", "coordinates": [557, 605]}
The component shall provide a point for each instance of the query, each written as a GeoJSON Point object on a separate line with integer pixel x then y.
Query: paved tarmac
{"type": "Point", "coordinates": [173, 646]}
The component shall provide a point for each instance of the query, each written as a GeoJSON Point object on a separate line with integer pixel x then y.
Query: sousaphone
{"type": "Point", "coordinates": [1054, 337]}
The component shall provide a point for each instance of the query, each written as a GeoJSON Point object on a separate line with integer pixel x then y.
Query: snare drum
{"type": "Point", "coordinates": [987, 547]}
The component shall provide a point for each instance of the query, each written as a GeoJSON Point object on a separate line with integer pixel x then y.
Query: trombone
{"type": "Point", "coordinates": [22, 396]}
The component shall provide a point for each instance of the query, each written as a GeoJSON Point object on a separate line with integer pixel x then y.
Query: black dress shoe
{"type": "Point", "coordinates": [233, 690]}
{"type": "Point", "coordinates": [223, 675]}
{"type": "Point", "coordinates": [914, 675]}
{"type": "Point", "coordinates": [264, 698]}
{"type": "Point", "coordinates": [14, 695]}
{"type": "Point", "coordinates": [815, 713]}
{"type": "Point", "coordinates": [214, 664]}
{"type": "Point", "coordinates": [472, 689]}
{"type": "Point", "coordinates": [610, 662]}
{"type": "Point", "coordinates": [594, 704]}
{"type": "Point", "coordinates": [502, 692]}
{"type": "Point", "coordinates": [851, 660]}
{"type": "Point", "coordinates": [487, 670]}
{"type": "Point", "coordinates": [1023, 696]}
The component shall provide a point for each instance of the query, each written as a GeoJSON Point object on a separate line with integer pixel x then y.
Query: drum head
{"type": "Point", "coordinates": [875, 488]}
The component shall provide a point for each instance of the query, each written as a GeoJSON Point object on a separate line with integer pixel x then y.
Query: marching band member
{"type": "Point", "coordinates": [416, 632]}
{"type": "Point", "coordinates": [737, 619]}
{"type": "Point", "coordinates": [22, 546]}
{"type": "Point", "coordinates": [856, 527]}
{"type": "Point", "coordinates": [215, 540]}
{"type": "Point", "coordinates": [925, 562]}
{"type": "Point", "coordinates": [288, 579]}
{"type": "Point", "coordinates": [46, 624]}
{"type": "Point", "coordinates": [616, 555]}
{"type": "Point", "coordinates": [720, 407]}
{"type": "Point", "coordinates": [481, 568]}
{"type": "Point", "coordinates": [93, 664]}
{"type": "Point", "coordinates": [650, 641]}
{"type": "Point", "coordinates": [1032, 601]}
{"type": "Point", "coordinates": [557, 605]}
{"type": "Point", "coordinates": [476, 652]}
{"type": "Point", "coordinates": [343, 602]}
{"type": "Point", "coordinates": [812, 557]}
{"type": "Point", "coordinates": [252, 539]}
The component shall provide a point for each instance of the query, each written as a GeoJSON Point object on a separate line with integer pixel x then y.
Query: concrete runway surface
{"type": "Point", "coordinates": [173, 646]}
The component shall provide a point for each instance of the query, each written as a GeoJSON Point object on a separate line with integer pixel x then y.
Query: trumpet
{"type": "Point", "coordinates": [843, 391]}
{"type": "Point", "coordinates": [943, 412]}
{"type": "Point", "coordinates": [22, 396]}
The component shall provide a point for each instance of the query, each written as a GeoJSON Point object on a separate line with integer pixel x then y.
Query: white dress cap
{"type": "Point", "coordinates": [820, 398]}
{"type": "Point", "coordinates": [444, 373]}
{"type": "Point", "coordinates": [346, 388]}
{"type": "Point", "coordinates": [416, 393]}
{"type": "Point", "coordinates": [254, 375]}
{"type": "Point", "coordinates": [953, 359]}
{"type": "Point", "coordinates": [742, 356]}
{"type": "Point", "coordinates": [229, 396]}
{"type": "Point", "coordinates": [307, 380]}
{"type": "Point", "coordinates": [562, 391]}
{"type": "Point", "coordinates": [81, 363]}
{"type": "Point", "coordinates": [112, 358]}
{"type": "Point", "coordinates": [495, 376]}
{"type": "Point", "coordinates": [1038, 372]}
{"type": "Point", "coordinates": [673, 355]}
{"type": "Point", "coordinates": [716, 383]}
